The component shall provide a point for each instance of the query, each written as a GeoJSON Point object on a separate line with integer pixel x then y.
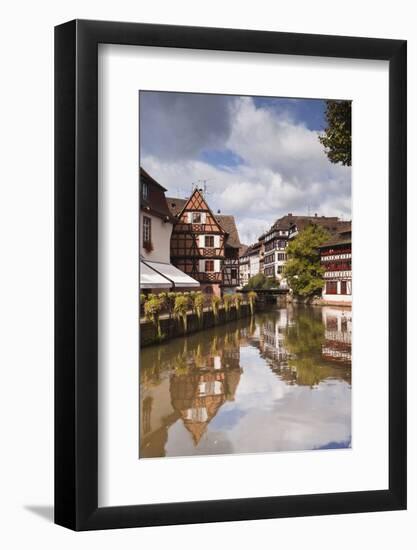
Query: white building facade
{"type": "Point", "coordinates": [156, 225]}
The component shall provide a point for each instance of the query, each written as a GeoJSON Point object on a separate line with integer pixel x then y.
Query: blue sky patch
{"type": "Point", "coordinates": [310, 112]}
{"type": "Point", "coordinates": [221, 158]}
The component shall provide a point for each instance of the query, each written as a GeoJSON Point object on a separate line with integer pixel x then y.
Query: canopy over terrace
{"type": "Point", "coordinates": [162, 275]}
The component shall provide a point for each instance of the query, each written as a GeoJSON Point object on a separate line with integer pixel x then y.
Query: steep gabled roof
{"type": "Point", "coordinates": [176, 205]}
{"type": "Point", "coordinates": [243, 250]}
{"type": "Point", "coordinates": [229, 225]}
{"type": "Point", "coordinates": [179, 205]}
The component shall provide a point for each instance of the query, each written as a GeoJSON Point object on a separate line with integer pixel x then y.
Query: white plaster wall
{"type": "Point", "coordinates": [160, 237]}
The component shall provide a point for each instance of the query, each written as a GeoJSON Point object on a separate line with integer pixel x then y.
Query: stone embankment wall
{"type": "Point", "coordinates": [172, 328]}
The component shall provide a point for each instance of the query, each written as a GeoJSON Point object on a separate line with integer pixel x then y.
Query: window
{"type": "Point", "coordinates": [209, 241]}
{"type": "Point", "coordinates": [281, 256]}
{"type": "Point", "coordinates": [145, 191]}
{"type": "Point", "coordinates": [331, 287]}
{"type": "Point", "coordinates": [146, 231]}
{"type": "Point", "coordinates": [209, 266]}
{"type": "Point", "coordinates": [234, 273]}
{"type": "Point", "coordinates": [280, 269]}
{"type": "Point", "coordinates": [343, 287]}
{"type": "Point", "coordinates": [196, 217]}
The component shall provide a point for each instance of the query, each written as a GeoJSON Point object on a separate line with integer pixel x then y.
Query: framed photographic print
{"type": "Point", "coordinates": [230, 275]}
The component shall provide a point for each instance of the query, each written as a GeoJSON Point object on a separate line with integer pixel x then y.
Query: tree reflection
{"type": "Point", "coordinates": [301, 349]}
{"type": "Point", "coordinates": [186, 382]}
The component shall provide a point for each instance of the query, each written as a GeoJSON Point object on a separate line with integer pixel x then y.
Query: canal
{"type": "Point", "coordinates": [279, 381]}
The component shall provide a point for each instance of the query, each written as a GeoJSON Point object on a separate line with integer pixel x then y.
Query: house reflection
{"type": "Point", "coordinates": [190, 386]}
{"type": "Point", "coordinates": [338, 335]}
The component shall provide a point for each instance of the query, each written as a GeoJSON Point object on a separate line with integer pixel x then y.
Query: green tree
{"type": "Point", "coordinates": [337, 137]}
{"type": "Point", "coordinates": [302, 270]}
{"type": "Point", "coordinates": [261, 281]}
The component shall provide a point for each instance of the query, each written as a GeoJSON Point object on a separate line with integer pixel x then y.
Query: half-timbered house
{"type": "Point", "coordinates": [286, 228]}
{"type": "Point", "coordinates": [243, 265]}
{"type": "Point", "coordinates": [253, 253]}
{"type": "Point", "coordinates": [204, 245]}
{"type": "Point", "coordinates": [231, 277]}
{"type": "Point", "coordinates": [336, 259]}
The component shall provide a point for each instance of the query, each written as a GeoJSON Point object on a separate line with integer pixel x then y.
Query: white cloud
{"type": "Point", "coordinates": [284, 170]}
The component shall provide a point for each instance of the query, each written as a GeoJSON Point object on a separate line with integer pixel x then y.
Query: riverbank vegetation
{"type": "Point", "coordinates": [179, 306]}
{"type": "Point", "coordinates": [261, 282]}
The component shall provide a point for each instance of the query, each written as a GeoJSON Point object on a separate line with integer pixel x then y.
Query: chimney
{"type": "Point", "coordinates": [218, 211]}
{"type": "Point", "coordinates": [315, 214]}
{"type": "Point", "coordinates": [289, 214]}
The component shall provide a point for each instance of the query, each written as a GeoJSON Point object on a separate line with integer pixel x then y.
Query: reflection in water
{"type": "Point", "coordinates": [280, 381]}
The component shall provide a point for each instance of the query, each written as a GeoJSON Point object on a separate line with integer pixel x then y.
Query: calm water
{"type": "Point", "coordinates": [280, 381]}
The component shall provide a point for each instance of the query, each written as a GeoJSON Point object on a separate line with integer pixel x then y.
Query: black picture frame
{"type": "Point", "coordinates": [76, 272]}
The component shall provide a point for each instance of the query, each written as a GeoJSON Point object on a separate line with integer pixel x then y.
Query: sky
{"type": "Point", "coordinates": [260, 157]}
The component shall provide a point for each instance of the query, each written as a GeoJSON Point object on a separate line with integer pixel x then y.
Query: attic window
{"type": "Point", "coordinates": [145, 191]}
{"type": "Point", "coordinates": [196, 217]}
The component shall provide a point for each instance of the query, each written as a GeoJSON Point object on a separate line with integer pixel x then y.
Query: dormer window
{"type": "Point", "coordinates": [145, 191]}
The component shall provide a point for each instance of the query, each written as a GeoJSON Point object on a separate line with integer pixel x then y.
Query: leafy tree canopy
{"type": "Point", "coordinates": [260, 281]}
{"type": "Point", "coordinates": [337, 137]}
{"type": "Point", "coordinates": [302, 270]}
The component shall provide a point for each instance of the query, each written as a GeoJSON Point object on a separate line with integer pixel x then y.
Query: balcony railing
{"type": "Point", "coordinates": [211, 252]}
{"type": "Point", "coordinates": [208, 276]}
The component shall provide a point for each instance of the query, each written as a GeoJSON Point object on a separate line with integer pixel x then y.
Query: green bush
{"type": "Point", "coordinates": [153, 307]}
{"type": "Point", "coordinates": [182, 304]}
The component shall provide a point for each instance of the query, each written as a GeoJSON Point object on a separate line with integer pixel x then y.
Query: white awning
{"type": "Point", "coordinates": [175, 277]}
{"type": "Point", "coordinates": [149, 278]}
